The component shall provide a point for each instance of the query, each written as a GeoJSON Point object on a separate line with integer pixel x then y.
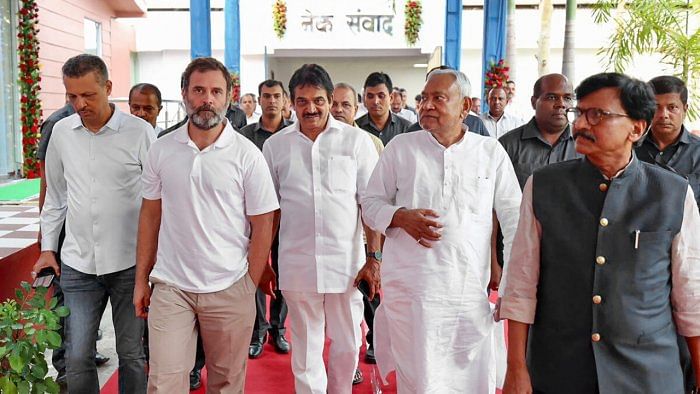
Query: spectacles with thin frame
{"type": "Point", "coordinates": [593, 115]}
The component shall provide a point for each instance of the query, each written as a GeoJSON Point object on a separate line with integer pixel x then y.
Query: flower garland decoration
{"type": "Point", "coordinates": [236, 89]}
{"type": "Point", "coordinates": [279, 14]}
{"type": "Point", "coordinates": [29, 78]}
{"type": "Point", "coordinates": [496, 75]}
{"type": "Point", "coordinates": [412, 11]}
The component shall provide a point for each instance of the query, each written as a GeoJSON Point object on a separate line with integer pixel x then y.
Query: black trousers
{"type": "Point", "coordinates": [278, 307]}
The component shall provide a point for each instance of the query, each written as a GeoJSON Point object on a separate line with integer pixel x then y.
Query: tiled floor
{"type": "Point", "coordinates": [19, 225]}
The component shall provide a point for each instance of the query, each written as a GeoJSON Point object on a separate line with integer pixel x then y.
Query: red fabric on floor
{"type": "Point", "coordinates": [271, 373]}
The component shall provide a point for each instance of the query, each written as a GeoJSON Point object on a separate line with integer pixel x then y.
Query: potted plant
{"type": "Point", "coordinates": [27, 328]}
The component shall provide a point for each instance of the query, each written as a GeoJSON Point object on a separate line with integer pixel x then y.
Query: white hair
{"type": "Point", "coordinates": [460, 79]}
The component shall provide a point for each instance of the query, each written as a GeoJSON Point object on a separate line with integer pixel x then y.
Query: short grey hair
{"type": "Point", "coordinates": [461, 80]}
{"type": "Point", "coordinates": [343, 85]}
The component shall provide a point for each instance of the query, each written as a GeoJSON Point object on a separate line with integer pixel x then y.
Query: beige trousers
{"type": "Point", "coordinates": [225, 320]}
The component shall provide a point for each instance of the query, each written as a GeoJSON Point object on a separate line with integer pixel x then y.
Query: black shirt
{"type": "Point", "coordinates": [395, 126]}
{"type": "Point", "coordinates": [475, 124]}
{"type": "Point", "coordinates": [529, 151]}
{"type": "Point", "coordinates": [681, 157]}
{"type": "Point", "coordinates": [257, 135]}
{"type": "Point", "coordinates": [236, 117]}
{"type": "Point", "coordinates": [47, 128]}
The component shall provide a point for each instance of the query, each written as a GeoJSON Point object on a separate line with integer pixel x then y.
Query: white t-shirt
{"type": "Point", "coordinates": [206, 198]}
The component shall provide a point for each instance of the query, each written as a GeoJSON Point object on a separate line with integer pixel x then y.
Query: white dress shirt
{"type": "Point", "coordinates": [206, 199]}
{"type": "Point", "coordinates": [435, 298]}
{"type": "Point", "coordinates": [93, 183]}
{"type": "Point", "coordinates": [408, 115]}
{"type": "Point", "coordinates": [519, 284]}
{"type": "Point", "coordinates": [319, 184]}
{"type": "Point", "coordinates": [499, 127]}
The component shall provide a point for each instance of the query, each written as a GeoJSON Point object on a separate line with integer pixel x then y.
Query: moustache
{"type": "Point", "coordinates": [311, 115]}
{"type": "Point", "coordinates": [203, 108]}
{"type": "Point", "coordinates": [585, 135]}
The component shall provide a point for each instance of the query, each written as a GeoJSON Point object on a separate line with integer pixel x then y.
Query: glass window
{"type": "Point", "coordinates": [10, 139]}
{"type": "Point", "coordinates": [93, 37]}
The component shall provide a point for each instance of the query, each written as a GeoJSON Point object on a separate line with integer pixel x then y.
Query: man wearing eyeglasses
{"type": "Point", "coordinates": [604, 268]}
{"type": "Point", "coordinates": [669, 144]}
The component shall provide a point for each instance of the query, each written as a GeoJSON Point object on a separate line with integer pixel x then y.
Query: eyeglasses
{"type": "Point", "coordinates": [593, 115]}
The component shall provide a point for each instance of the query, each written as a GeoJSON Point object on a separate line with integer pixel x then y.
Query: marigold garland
{"type": "Point", "coordinates": [412, 11]}
{"type": "Point", "coordinates": [29, 78]}
{"type": "Point", "coordinates": [236, 90]}
{"type": "Point", "coordinates": [496, 75]}
{"type": "Point", "coordinates": [279, 14]}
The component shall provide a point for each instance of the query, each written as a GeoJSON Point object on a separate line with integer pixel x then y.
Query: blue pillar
{"type": "Point", "coordinates": [232, 36]}
{"type": "Point", "coordinates": [495, 18]}
{"type": "Point", "coordinates": [453, 33]}
{"type": "Point", "coordinates": [200, 28]}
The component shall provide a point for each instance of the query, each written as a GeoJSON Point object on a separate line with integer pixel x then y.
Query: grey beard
{"type": "Point", "coordinates": [207, 123]}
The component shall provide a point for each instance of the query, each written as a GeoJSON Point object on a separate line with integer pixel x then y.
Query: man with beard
{"type": "Point", "coordinates": [204, 239]}
{"type": "Point", "coordinates": [605, 265]}
{"type": "Point", "coordinates": [271, 97]}
{"type": "Point", "coordinates": [432, 194]}
{"type": "Point", "coordinates": [320, 167]}
{"type": "Point", "coordinates": [379, 119]}
{"type": "Point", "coordinates": [93, 167]}
{"type": "Point", "coordinates": [497, 120]}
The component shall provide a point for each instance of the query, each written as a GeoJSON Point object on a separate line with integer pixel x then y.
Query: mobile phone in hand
{"type": "Point", "coordinates": [44, 278]}
{"type": "Point", "coordinates": [363, 287]}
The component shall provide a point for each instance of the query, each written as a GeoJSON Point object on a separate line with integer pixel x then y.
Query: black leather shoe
{"type": "Point", "coordinates": [100, 359]}
{"type": "Point", "coordinates": [256, 347]}
{"type": "Point", "coordinates": [280, 343]}
{"type": "Point", "coordinates": [357, 379]}
{"type": "Point", "coordinates": [195, 379]}
{"type": "Point", "coordinates": [369, 356]}
{"type": "Point", "coordinates": [61, 378]}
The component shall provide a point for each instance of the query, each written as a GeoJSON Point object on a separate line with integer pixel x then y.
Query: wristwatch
{"type": "Point", "coordinates": [375, 255]}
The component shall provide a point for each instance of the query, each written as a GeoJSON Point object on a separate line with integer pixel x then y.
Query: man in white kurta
{"type": "Point", "coordinates": [433, 193]}
{"type": "Point", "coordinates": [320, 167]}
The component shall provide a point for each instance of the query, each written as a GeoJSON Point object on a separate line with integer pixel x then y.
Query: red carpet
{"type": "Point", "coordinates": [272, 374]}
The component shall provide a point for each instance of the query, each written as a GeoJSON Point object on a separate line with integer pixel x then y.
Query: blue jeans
{"type": "Point", "coordinates": [86, 296]}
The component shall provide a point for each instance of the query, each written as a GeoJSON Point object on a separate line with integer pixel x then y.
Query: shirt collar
{"type": "Point", "coordinates": [283, 124]}
{"type": "Point", "coordinates": [684, 138]}
{"type": "Point", "coordinates": [113, 123]}
{"type": "Point", "coordinates": [225, 138]}
{"type": "Point", "coordinates": [532, 131]}
{"type": "Point", "coordinates": [332, 124]}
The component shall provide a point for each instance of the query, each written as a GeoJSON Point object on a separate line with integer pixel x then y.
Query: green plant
{"type": "Point", "coordinates": [27, 328]}
{"type": "Point", "coordinates": [663, 27]}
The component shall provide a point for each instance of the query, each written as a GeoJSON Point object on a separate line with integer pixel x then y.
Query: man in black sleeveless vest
{"type": "Point", "coordinates": [604, 266]}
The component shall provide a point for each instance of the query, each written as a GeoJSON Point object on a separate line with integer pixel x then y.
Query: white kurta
{"type": "Point", "coordinates": [435, 326]}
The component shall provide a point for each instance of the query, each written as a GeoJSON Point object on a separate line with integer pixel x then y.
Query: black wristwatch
{"type": "Point", "coordinates": [375, 255]}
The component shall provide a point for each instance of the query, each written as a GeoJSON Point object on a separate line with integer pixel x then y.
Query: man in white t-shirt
{"type": "Point", "coordinates": [204, 237]}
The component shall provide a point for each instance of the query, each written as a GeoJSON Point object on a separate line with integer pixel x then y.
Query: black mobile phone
{"type": "Point", "coordinates": [44, 278]}
{"type": "Point", "coordinates": [363, 287]}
